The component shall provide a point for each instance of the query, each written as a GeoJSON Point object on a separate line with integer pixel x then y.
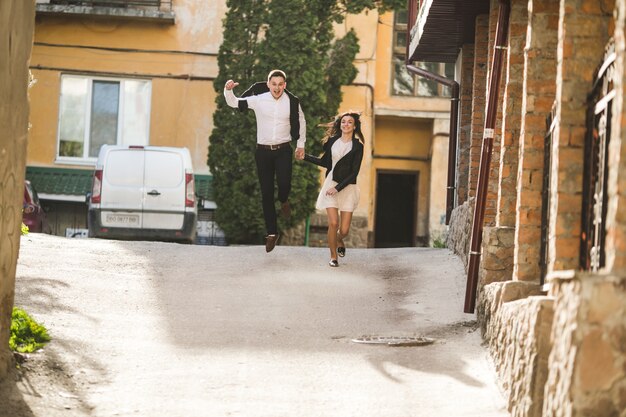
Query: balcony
{"type": "Point", "coordinates": [159, 11]}
{"type": "Point", "coordinates": [438, 28]}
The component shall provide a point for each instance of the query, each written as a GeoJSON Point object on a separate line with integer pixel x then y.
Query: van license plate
{"type": "Point", "coordinates": [123, 219]}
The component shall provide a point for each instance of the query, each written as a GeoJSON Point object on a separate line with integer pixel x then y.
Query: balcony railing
{"type": "Point", "coordinates": [111, 3]}
{"type": "Point", "coordinates": [155, 10]}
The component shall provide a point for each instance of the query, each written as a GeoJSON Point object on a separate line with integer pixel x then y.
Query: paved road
{"type": "Point", "coordinates": [167, 330]}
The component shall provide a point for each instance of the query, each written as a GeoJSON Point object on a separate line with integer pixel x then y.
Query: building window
{"type": "Point", "coordinates": [406, 84]}
{"type": "Point", "coordinates": [97, 111]}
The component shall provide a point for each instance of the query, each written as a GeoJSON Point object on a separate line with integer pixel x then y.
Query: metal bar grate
{"type": "Point", "coordinates": [595, 173]}
{"type": "Point", "coordinates": [395, 341]}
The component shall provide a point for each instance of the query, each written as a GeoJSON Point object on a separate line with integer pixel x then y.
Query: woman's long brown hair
{"type": "Point", "coordinates": [334, 128]}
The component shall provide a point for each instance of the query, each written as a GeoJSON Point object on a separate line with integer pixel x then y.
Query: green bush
{"type": "Point", "coordinates": [26, 334]}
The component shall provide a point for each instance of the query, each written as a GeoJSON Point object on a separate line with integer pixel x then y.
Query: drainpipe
{"type": "Point", "coordinates": [485, 157]}
{"type": "Point", "coordinates": [454, 116]}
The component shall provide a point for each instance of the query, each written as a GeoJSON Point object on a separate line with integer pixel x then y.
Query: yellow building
{"type": "Point", "coordinates": [141, 72]}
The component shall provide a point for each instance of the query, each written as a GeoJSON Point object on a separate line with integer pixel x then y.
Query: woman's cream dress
{"type": "Point", "coordinates": [346, 199]}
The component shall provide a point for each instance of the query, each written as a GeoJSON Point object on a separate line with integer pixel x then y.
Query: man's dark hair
{"type": "Point", "coordinates": [276, 73]}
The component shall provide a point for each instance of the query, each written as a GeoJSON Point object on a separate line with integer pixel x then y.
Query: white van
{"type": "Point", "coordinates": [144, 193]}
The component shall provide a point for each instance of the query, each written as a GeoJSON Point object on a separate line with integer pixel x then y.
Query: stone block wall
{"type": "Point", "coordinates": [358, 237]}
{"type": "Point", "coordinates": [496, 254]}
{"type": "Point", "coordinates": [587, 365]}
{"type": "Point", "coordinates": [17, 20]}
{"type": "Point", "coordinates": [561, 354]}
{"type": "Point", "coordinates": [517, 326]}
{"type": "Point", "coordinates": [460, 230]}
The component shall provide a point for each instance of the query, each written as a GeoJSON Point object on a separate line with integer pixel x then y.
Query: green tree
{"type": "Point", "coordinates": [296, 36]}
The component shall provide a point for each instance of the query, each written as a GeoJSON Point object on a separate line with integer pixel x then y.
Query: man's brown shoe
{"type": "Point", "coordinates": [270, 242]}
{"type": "Point", "coordinates": [285, 209]}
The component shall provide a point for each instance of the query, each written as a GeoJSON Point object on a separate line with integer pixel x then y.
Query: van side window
{"type": "Point", "coordinates": [95, 111]}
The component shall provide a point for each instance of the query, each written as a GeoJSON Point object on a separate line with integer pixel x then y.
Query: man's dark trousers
{"type": "Point", "coordinates": [270, 164]}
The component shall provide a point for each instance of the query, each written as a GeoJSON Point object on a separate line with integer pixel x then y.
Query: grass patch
{"type": "Point", "coordinates": [439, 243]}
{"type": "Point", "coordinates": [26, 334]}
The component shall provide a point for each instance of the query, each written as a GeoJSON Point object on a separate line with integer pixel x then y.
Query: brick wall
{"type": "Point", "coordinates": [465, 124]}
{"type": "Point", "coordinates": [479, 84]}
{"type": "Point", "coordinates": [583, 32]}
{"type": "Point", "coordinates": [538, 94]}
{"type": "Point", "coordinates": [497, 242]}
{"type": "Point", "coordinates": [494, 168]}
{"type": "Point", "coordinates": [513, 77]}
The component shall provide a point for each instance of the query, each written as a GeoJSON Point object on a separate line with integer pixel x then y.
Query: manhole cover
{"type": "Point", "coordinates": [395, 340]}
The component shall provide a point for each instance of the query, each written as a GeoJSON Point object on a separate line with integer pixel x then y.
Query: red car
{"type": "Point", "coordinates": [33, 215]}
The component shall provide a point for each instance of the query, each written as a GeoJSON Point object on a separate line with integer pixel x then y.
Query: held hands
{"type": "Point", "coordinates": [331, 191]}
{"type": "Point", "coordinates": [299, 154]}
{"type": "Point", "coordinates": [230, 84]}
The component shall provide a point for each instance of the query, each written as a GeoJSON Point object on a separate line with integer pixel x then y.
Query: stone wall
{"type": "Point", "coordinates": [496, 254]}
{"type": "Point", "coordinates": [318, 228]}
{"type": "Point", "coordinates": [587, 365]}
{"type": "Point", "coordinates": [17, 19]}
{"type": "Point", "coordinates": [517, 326]}
{"type": "Point", "coordinates": [460, 230]}
{"type": "Point", "coordinates": [560, 355]}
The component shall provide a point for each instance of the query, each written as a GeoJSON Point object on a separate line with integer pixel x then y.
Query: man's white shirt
{"type": "Point", "coordinates": [272, 117]}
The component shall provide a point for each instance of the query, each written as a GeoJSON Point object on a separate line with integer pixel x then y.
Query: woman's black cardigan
{"type": "Point", "coordinates": [347, 168]}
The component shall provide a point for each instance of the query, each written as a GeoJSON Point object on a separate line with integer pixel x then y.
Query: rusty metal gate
{"type": "Point", "coordinates": [595, 173]}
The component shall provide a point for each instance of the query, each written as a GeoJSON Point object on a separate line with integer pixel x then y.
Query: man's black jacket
{"type": "Point", "coordinates": [347, 168]}
{"type": "Point", "coordinates": [294, 106]}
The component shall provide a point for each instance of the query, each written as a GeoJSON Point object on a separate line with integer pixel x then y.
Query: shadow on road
{"type": "Point", "coordinates": [48, 379]}
{"type": "Point", "coordinates": [11, 398]}
{"type": "Point", "coordinates": [438, 358]}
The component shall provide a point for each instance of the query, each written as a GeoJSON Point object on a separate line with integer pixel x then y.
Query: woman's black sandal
{"type": "Point", "coordinates": [341, 251]}
{"type": "Point", "coordinates": [333, 263]}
